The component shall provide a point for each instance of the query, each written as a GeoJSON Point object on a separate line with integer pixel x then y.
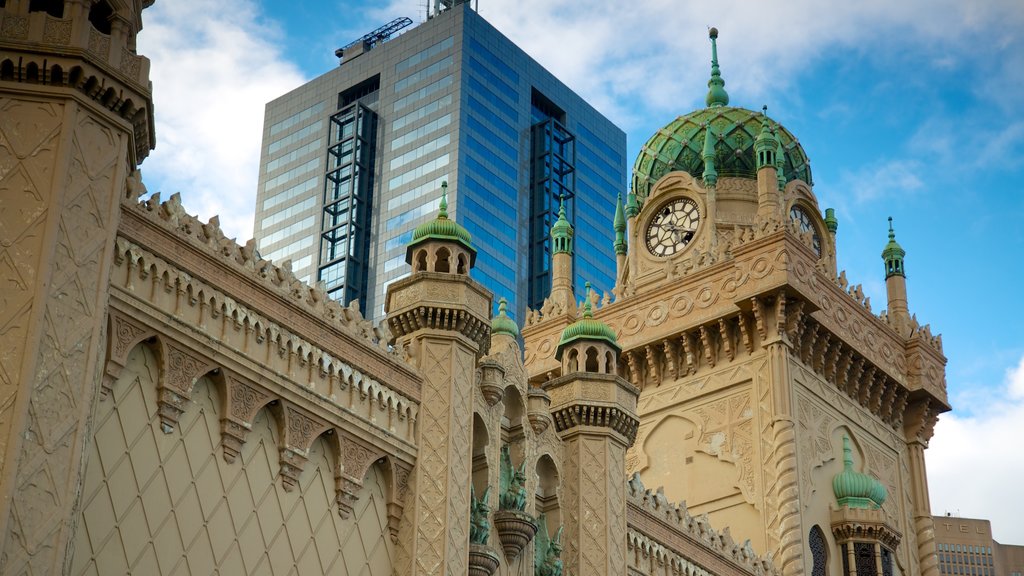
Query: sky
{"type": "Point", "coordinates": [908, 109]}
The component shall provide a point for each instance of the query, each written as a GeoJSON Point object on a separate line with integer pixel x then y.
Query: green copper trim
{"type": "Point", "coordinates": [856, 489]}
{"type": "Point", "coordinates": [561, 231]}
{"type": "Point", "coordinates": [717, 96]}
{"type": "Point", "coordinates": [830, 220]}
{"type": "Point", "coordinates": [441, 228]}
{"type": "Point", "coordinates": [632, 207]}
{"type": "Point", "coordinates": [780, 159]}
{"type": "Point", "coordinates": [710, 175]}
{"type": "Point", "coordinates": [586, 328]}
{"type": "Point", "coordinates": [502, 323]}
{"type": "Point", "coordinates": [893, 255]}
{"type": "Point", "coordinates": [765, 146]}
{"type": "Point", "coordinates": [619, 224]}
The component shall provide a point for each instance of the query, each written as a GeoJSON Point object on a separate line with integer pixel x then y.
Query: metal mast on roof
{"type": "Point", "coordinates": [377, 36]}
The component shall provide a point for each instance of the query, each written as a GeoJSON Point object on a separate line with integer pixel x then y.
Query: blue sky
{"type": "Point", "coordinates": [906, 109]}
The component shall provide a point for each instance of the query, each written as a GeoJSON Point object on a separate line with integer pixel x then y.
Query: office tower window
{"type": "Point", "coordinates": [552, 176]}
{"type": "Point", "coordinates": [348, 200]}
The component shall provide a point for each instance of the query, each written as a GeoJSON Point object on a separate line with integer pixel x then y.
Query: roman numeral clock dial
{"type": "Point", "coordinates": [672, 227]}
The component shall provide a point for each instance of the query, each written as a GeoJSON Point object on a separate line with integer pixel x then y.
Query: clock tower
{"type": "Point", "coordinates": [763, 374]}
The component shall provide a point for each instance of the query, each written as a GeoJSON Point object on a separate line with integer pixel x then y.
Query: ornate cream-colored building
{"type": "Point", "coordinates": [170, 402]}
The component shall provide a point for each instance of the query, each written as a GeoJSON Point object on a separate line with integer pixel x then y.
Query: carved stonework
{"type": "Point", "coordinates": [515, 530]}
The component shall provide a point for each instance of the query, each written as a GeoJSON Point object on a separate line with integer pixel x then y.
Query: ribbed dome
{"type": "Point", "coordinates": [856, 489]}
{"type": "Point", "coordinates": [679, 146]}
{"type": "Point", "coordinates": [441, 228]}
{"type": "Point", "coordinates": [586, 328]}
{"type": "Point", "coordinates": [502, 324]}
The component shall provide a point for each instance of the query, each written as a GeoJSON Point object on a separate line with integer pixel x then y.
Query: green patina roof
{"type": "Point", "coordinates": [856, 489]}
{"type": "Point", "coordinates": [830, 220]}
{"type": "Point", "coordinates": [680, 144]}
{"type": "Point", "coordinates": [586, 328]}
{"type": "Point", "coordinates": [619, 224]}
{"type": "Point", "coordinates": [502, 324]}
{"type": "Point", "coordinates": [442, 228]}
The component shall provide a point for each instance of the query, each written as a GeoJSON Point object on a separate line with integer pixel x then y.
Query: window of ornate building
{"type": "Point", "coordinates": [819, 552]}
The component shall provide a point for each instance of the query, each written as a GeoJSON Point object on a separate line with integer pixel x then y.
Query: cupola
{"type": "Point", "coordinates": [893, 255]}
{"type": "Point", "coordinates": [502, 324]}
{"type": "Point", "coordinates": [855, 489]}
{"type": "Point", "coordinates": [442, 244]}
{"type": "Point", "coordinates": [588, 344]}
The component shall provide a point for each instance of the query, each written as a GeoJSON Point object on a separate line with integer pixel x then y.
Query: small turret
{"type": "Point", "coordinates": [831, 223]}
{"type": "Point", "coordinates": [593, 345]}
{"type": "Point", "coordinates": [561, 261]}
{"type": "Point", "coordinates": [765, 148]}
{"type": "Point", "coordinates": [780, 159]}
{"type": "Point", "coordinates": [441, 245]}
{"type": "Point", "coordinates": [717, 96]}
{"type": "Point", "coordinates": [895, 279]}
{"type": "Point", "coordinates": [710, 174]}
{"type": "Point", "coordinates": [502, 324]}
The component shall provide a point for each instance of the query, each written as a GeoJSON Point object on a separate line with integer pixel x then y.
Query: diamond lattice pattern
{"type": "Point", "coordinates": [155, 503]}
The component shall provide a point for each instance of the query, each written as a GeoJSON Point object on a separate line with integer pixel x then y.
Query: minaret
{"type": "Point", "coordinates": [561, 262]}
{"type": "Point", "coordinates": [441, 316]}
{"type": "Point", "coordinates": [765, 150]}
{"type": "Point", "coordinates": [895, 279]}
{"type": "Point", "coordinates": [76, 104]}
{"type": "Point", "coordinates": [619, 223]}
{"type": "Point", "coordinates": [594, 410]}
{"type": "Point", "coordinates": [780, 159]}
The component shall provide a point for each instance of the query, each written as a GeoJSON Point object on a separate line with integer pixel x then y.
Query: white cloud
{"type": "Point", "coordinates": [975, 464]}
{"type": "Point", "coordinates": [887, 179]}
{"type": "Point", "coordinates": [215, 66]}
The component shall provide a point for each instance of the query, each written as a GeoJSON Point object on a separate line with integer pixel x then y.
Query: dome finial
{"type": "Point", "coordinates": [587, 312]}
{"type": "Point", "coordinates": [717, 96]}
{"type": "Point", "coordinates": [442, 211]}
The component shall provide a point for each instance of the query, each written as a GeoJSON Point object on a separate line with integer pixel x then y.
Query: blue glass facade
{"type": "Point", "coordinates": [452, 100]}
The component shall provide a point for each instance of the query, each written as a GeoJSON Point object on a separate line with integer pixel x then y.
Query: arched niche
{"type": "Point", "coordinates": [481, 439]}
{"type": "Point", "coordinates": [819, 551]}
{"type": "Point", "coordinates": [547, 493]}
{"type": "Point", "coordinates": [512, 423]}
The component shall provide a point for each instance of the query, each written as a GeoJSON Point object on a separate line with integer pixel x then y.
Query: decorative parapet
{"type": "Point", "coordinates": [667, 532]}
{"type": "Point", "coordinates": [256, 283]}
{"type": "Point", "coordinates": [862, 524]}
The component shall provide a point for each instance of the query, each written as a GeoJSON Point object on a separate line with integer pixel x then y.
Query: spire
{"type": "Point", "coordinates": [561, 231]}
{"type": "Point", "coordinates": [893, 255]}
{"type": "Point", "coordinates": [717, 95]}
{"type": "Point", "coordinates": [765, 146]}
{"type": "Point", "coordinates": [619, 223]}
{"type": "Point", "coordinates": [442, 212]}
{"type": "Point", "coordinates": [710, 175]}
{"type": "Point", "coordinates": [632, 207]}
{"type": "Point", "coordinates": [587, 312]}
{"type": "Point", "coordinates": [780, 159]}
{"type": "Point", "coordinates": [830, 220]}
{"type": "Point", "coordinates": [502, 323]}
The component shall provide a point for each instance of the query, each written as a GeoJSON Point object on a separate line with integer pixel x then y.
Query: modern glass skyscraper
{"type": "Point", "coordinates": [353, 161]}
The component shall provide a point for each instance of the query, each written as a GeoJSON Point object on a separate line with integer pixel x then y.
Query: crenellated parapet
{"type": "Point", "coordinates": [687, 544]}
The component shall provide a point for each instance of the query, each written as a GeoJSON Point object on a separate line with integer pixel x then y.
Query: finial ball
{"type": "Point", "coordinates": [713, 33]}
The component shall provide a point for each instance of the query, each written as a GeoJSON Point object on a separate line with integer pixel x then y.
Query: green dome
{"type": "Point", "coordinates": [679, 146]}
{"type": "Point", "coordinates": [502, 324]}
{"type": "Point", "coordinates": [441, 228]}
{"type": "Point", "coordinates": [856, 489]}
{"type": "Point", "coordinates": [586, 328]}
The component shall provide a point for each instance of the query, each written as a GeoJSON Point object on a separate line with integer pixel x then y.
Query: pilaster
{"type": "Point", "coordinates": [442, 320]}
{"type": "Point", "coordinates": [919, 425]}
{"type": "Point", "coordinates": [595, 415]}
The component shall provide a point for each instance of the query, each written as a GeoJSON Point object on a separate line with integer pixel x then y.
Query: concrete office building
{"type": "Point", "coordinates": [353, 161]}
{"type": "Point", "coordinates": [967, 546]}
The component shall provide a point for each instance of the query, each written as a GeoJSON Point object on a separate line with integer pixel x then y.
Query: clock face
{"type": "Point", "coordinates": [803, 221]}
{"type": "Point", "coordinates": [672, 227]}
